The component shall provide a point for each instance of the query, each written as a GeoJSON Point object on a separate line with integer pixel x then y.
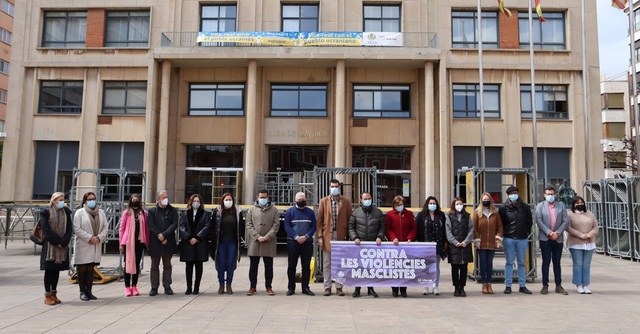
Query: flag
{"type": "Point", "coordinates": [504, 10]}
{"type": "Point", "coordinates": [620, 4]}
{"type": "Point", "coordinates": [539, 11]}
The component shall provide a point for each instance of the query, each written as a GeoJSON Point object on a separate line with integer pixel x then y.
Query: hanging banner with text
{"type": "Point", "coordinates": [367, 264]}
{"type": "Point", "coordinates": [277, 38]}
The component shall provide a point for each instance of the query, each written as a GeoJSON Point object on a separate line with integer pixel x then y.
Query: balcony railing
{"type": "Point", "coordinates": [195, 39]}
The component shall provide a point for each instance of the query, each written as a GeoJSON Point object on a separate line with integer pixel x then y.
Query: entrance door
{"type": "Point", "coordinates": [392, 183]}
{"type": "Point", "coordinates": [212, 182]}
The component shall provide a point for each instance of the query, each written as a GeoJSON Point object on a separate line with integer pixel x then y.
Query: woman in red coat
{"type": "Point", "coordinates": [401, 226]}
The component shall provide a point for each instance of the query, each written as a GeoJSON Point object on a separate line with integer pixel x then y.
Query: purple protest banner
{"type": "Point", "coordinates": [367, 264]}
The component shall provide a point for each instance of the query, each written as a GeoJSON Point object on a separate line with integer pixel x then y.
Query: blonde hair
{"type": "Point", "coordinates": [55, 196]}
{"type": "Point", "coordinates": [480, 208]}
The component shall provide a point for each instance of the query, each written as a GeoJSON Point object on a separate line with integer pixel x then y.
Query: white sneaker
{"type": "Point", "coordinates": [436, 291]}
{"type": "Point", "coordinates": [425, 291]}
{"type": "Point", "coordinates": [586, 290]}
{"type": "Point", "coordinates": [580, 289]}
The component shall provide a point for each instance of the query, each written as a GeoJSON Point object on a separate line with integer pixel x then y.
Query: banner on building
{"type": "Point", "coordinates": [367, 264]}
{"type": "Point", "coordinates": [274, 38]}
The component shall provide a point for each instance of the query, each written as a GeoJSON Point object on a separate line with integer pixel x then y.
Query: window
{"type": "Point", "coordinates": [636, 15]}
{"type": "Point", "coordinates": [382, 18]}
{"type": "Point", "coordinates": [203, 178]}
{"type": "Point", "coordinates": [216, 100]}
{"type": "Point", "coordinates": [612, 101]}
{"type": "Point", "coordinates": [469, 156]}
{"type": "Point", "coordinates": [299, 100]}
{"type": "Point", "coordinates": [297, 158]}
{"type": "Point", "coordinates": [5, 36]}
{"type": "Point", "coordinates": [616, 160]}
{"type": "Point", "coordinates": [549, 35]}
{"type": "Point", "coordinates": [637, 53]}
{"type": "Point", "coordinates": [53, 168]}
{"type": "Point", "coordinates": [3, 96]}
{"type": "Point", "coordinates": [124, 97]}
{"type": "Point", "coordinates": [466, 101]}
{"type": "Point", "coordinates": [8, 7]}
{"type": "Point", "coordinates": [381, 101]}
{"type": "Point", "coordinates": [119, 155]}
{"type": "Point", "coordinates": [615, 130]}
{"type": "Point", "coordinates": [554, 166]}
{"type": "Point", "coordinates": [4, 67]}
{"type": "Point", "coordinates": [64, 97]}
{"type": "Point", "coordinates": [127, 29]}
{"type": "Point", "coordinates": [300, 18]}
{"type": "Point", "coordinates": [394, 170]}
{"type": "Point", "coordinates": [551, 101]}
{"type": "Point", "coordinates": [464, 33]}
{"type": "Point", "coordinates": [64, 29]}
{"type": "Point", "coordinates": [218, 18]}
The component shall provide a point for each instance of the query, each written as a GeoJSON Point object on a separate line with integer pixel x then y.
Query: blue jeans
{"type": "Point", "coordinates": [551, 252]}
{"type": "Point", "coordinates": [485, 257]}
{"type": "Point", "coordinates": [225, 261]}
{"type": "Point", "coordinates": [581, 266]}
{"type": "Point", "coordinates": [515, 248]}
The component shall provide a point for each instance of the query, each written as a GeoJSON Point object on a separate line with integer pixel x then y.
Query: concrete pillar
{"type": "Point", "coordinates": [250, 145]}
{"type": "Point", "coordinates": [163, 129]}
{"type": "Point", "coordinates": [446, 150]}
{"type": "Point", "coordinates": [340, 117]}
{"type": "Point", "coordinates": [429, 130]}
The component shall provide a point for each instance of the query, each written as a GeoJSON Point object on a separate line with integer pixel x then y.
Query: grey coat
{"type": "Point", "coordinates": [367, 224]}
{"type": "Point", "coordinates": [265, 222]}
{"type": "Point", "coordinates": [543, 220]}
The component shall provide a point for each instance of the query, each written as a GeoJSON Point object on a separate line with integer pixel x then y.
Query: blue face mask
{"type": "Point", "coordinates": [366, 203]}
{"type": "Point", "coordinates": [60, 204]}
{"type": "Point", "coordinates": [432, 207]}
{"type": "Point", "coordinates": [550, 198]}
{"type": "Point", "coordinates": [399, 208]}
{"type": "Point", "coordinates": [513, 197]}
{"type": "Point", "coordinates": [334, 191]}
{"type": "Point", "coordinates": [262, 201]}
{"type": "Point", "coordinates": [91, 204]}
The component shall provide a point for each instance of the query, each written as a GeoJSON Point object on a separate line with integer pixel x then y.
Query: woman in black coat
{"type": "Point", "coordinates": [194, 246]}
{"type": "Point", "coordinates": [430, 223]}
{"type": "Point", "coordinates": [459, 228]}
{"type": "Point", "coordinates": [57, 228]}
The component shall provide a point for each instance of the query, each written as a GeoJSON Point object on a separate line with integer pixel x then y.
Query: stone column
{"type": "Point", "coordinates": [250, 144]}
{"type": "Point", "coordinates": [340, 117]}
{"type": "Point", "coordinates": [163, 129]}
{"type": "Point", "coordinates": [429, 130]}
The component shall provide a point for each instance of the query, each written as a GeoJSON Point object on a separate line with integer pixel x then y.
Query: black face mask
{"type": "Point", "coordinates": [486, 204]}
{"type": "Point", "coordinates": [301, 204]}
{"type": "Point", "coordinates": [581, 207]}
{"type": "Point", "coordinates": [135, 205]}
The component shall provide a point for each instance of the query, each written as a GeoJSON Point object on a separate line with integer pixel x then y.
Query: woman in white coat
{"type": "Point", "coordinates": [90, 227]}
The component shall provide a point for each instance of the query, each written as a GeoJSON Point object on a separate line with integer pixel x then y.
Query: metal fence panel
{"type": "Point", "coordinates": [593, 194]}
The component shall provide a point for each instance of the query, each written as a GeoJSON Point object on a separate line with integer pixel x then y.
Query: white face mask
{"type": "Point", "coordinates": [165, 202]}
{"type": "Point", "coordinates": [459, 207]}
{"type": "Point", "coordinates": [195, 205]}
{"type": "Point", "coordinates": [228, 204]}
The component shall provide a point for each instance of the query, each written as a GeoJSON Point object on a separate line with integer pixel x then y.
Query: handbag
{"type": "Point", "coordinates": [37, 236]}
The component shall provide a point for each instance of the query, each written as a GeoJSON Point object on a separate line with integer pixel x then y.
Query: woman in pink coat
{"type": "Point", "coordinates": [134, 237]}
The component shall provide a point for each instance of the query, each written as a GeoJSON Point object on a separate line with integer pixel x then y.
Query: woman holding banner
{"type": "Point", "coordinates": [430, 223]}
{"type": "Point", "coordinates": [487, 237]}
{"type": "Point", "coordinates": [401, 226]}
{"type": "Point", "coordinates": [460, 235]}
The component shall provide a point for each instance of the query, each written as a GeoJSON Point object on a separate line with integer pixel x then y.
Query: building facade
{"type": "Point", "coordinates": [616, 127]}
{"type": "Point", "coordinates": [7, 9]}
{"type": "Point", "coordinates": [117, 85]}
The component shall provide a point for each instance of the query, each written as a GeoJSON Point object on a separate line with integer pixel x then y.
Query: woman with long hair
{"type": "Point", "coordinates": [487, 237]}
{"type": "Point", "coordinates": [226, 236]}
{"type": "Point", "coordinates": [194, 246]}
{"type": "Point", "coordinates": [582, 229]}
{"type": "Point", "coordinates": [57, 228]}
{"type": "Point", "coordinates": [134, 238]}
{"type": "Point", "coordinates": [431, 228]}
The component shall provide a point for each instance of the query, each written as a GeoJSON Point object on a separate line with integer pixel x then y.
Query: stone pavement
{"type": "Point", "coordinates": [611, 308]}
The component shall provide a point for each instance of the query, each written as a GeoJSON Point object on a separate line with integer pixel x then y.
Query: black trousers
{"type": "Point", "coordinates": [304, 252]}
{"type": "Point", "coordinates": [253, 271]}
{"type": "Point", "coordinates": [459, 274]}
{"type": "Point", "coordinates": [85, 277]}
{"type": "Point", "coordinates": [51, 278]}
{"type": "Point", "coordinates": [132, 279]}
{"type": "Point", "coordinates": [189, 273]}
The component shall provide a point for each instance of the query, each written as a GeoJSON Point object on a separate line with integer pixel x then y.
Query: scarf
{"type": "Point", "coordinates": [58, 225]}
{"type": "Point", "coordinates": [143, 237]}
{"type": "Point", "coordinates": [94, 218]}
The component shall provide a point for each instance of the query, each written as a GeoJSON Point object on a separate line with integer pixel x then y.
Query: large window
{"type": "Point", "coordinates": [216, 100]}
{"type": "Point", "coordinates": [213, 170]}
{"type": "Point", "coordinates": [549, 35]}
{"type": "Point", "coordinates": [394, 171]}
{"type": "Point", "coordinates": [119, 155]}
{"type": "Point", "coordinates": [301, 18]}
{"type": "Point", "coordinates": [63, 97]}
{"type": "Point", "coordinates": [53, 168]}
{"type": "Point", "coordinates": [464, 32]}
{"type": "Point", "coordinates": [612, 101]}
{"type": "Point", "coordinates": [299, 100]}
{"type": "Point", "coordinates": [218, 18]}
{"type": "Point", "coordinates": [614, 130]}
{"type": "Point", "coordinates": [554, 166]}
{"type": "Point", "coordinates": [382, 101]}
{"type": "Point", "coordinates": [124, 97]}
{"type": "Point", "coordinates": [551, 101]}
{"type": "Point", "coordinates": [5, 36]}
{"type": "Point", "coordinates": [469, 156]}
{"type": "Point", "coordinates": [64, 29]}
{"type": "Point", "coordinates": [466, 101]}
{"type": "Point", "coordinates": [382, 18]}
{"type": "Point", "coordinates": [127, 29]}
{"type": "Point", "coordinates": [8, 7]}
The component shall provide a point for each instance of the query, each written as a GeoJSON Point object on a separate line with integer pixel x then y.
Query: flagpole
{"type": "Point", "coordinates": [481, 98]}
{"type": "Point", "coordinates": [533, 107]}
{"type": "Point", "coordinates": [634, 94]}
{"type": "Point", "coordinates": [584, 95]}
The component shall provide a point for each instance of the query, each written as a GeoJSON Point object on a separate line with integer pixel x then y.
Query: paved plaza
{"type": "Point", "coordinates": [612, 308]}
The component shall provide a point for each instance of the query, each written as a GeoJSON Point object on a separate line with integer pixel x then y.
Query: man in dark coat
{"type": "Point", "coordinates": [163, 221]}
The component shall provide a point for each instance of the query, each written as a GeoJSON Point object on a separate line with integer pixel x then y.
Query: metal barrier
{"type": "Point", "coordinates": [594, 200]}
{"type": "Point", "coordinates": [283, 186]}
{"type": "Point", "coordinates": [618, 221]}
{"type": "Point", "coordinates": [17, 220]}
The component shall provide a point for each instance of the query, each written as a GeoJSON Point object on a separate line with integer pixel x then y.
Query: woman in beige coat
{"type": "Point", "coordinates": [90, 226]}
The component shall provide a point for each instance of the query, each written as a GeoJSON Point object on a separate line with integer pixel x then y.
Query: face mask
{"type": "Point", "coordinates": [135, 205]}
{"type": "Point", "coordinates": [195, 205]}
{"type": "Point", "coordinates": [335, 191]}
{"type": "Point", "coordinates": [432, 207]}
{"type": "Point", "coordinates": [91, 204]}
{"type": "Point", "coordinates": [60, 204]}
{"type": "Point", "coordinates": [550, 198]}
{"type": "Point", "coordinates": [165, 202]}
{"type": "Point", "coordinates": [399, 208]}
{"type": "Point", "coordinates": [301, 204]}
{"type": "Point", "coordinates": [262, 201]}
{"type": "Point", "coordinates": [228, 204]}
{"type": "Point", "coordinates": [513, 197]}
{"type": "Point", "coordinates": [486, 204]}
{"type": "Point", "coordinates": [581, 207]}
{"type": "Point", "coordinates": [366, 203]}
{"type": "Point", "coordinates": [459, 207]}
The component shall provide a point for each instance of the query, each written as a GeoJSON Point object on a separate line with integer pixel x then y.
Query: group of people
{"type": "Point", "coordinates": [217, 234]}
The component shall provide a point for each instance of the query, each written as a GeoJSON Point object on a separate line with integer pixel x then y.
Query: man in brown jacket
{"type": "Point", "coordinates": [262, 223]}
{"type": "Point", "coordinates": [333, 217]}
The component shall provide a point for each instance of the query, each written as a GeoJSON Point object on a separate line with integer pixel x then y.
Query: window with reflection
{"type": "Point", "coordinates": [64, 29]}
{"type": "Point", "coordinates": [464, 32]}
{"type": "Point", "coordinates": [551, 101]}
{"type": "Point", "coordinates": [216, 99]}
{"type": "Point", "coordinates": [382, 101]}
{"type": "Point", "coordinates": [127, 29]}
{"type": "Point", "coordinates": [300, 18]}
{"type": "Point", "coordinates": [382, 18]}
{"type": "Point", "coordinates": [466, 101]}
{"type": "Point", "coordinates": [548, 35]}
{"type": "Point", "coordinates": [61, 97]}
{"type": "Point", "coordinates": [124, 97]}
{"type": "Point", "coordinates": [298, 100]}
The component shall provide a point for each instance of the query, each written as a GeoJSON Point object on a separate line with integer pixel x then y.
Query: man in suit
{"type": "Point", "coordinates": [552, 221]}
{"type": "Point", "coordinates": [333, 215]}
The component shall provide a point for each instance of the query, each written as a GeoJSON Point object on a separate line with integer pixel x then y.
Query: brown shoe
{"type": "Point", "coordinates": [229, 290]}
{"type": "Point", "coordinates": [221, 290]}
{"type": "Point", "coordinates": [339, 292]}
{"type": "Point", "coordinates": [561, 290]}
{"type": "Point", "coordinates": [489, 288]}
{"type": "Point", "coordinates": [48, 300]}
{"type": "Point", "coordinates": [270, 292]}
{"type": "Point", "coordinates": [485, 289]}
{"type": "Point", "coordinates": [251, 292]}
{"type": "Point", "coordinates": [54, 296]}
{"type": "Point", "coordinates": [327, 292]}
